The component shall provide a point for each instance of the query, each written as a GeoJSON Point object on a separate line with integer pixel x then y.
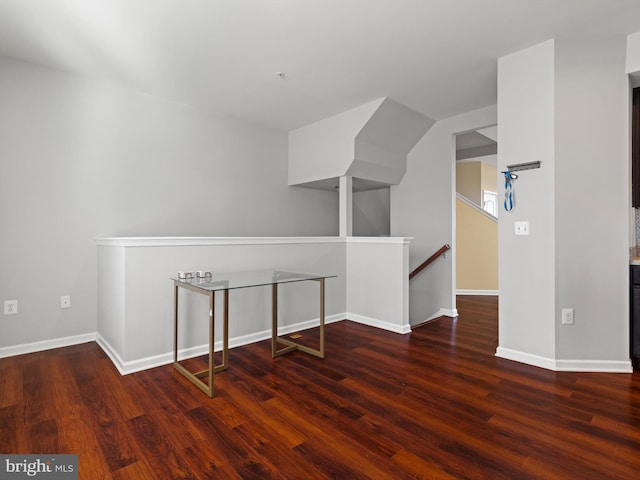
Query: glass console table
{"type": "Point", "coordinates": [230, 281]}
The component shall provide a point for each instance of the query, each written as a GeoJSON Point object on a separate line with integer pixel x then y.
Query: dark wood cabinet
{"type": "Point", "coordinates": [634, 327]}
{"type": "Point", "coordinates": [635, 148]}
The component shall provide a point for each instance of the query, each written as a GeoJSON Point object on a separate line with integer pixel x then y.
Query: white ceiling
{"type": "Point", "coordinates": [438, 57]}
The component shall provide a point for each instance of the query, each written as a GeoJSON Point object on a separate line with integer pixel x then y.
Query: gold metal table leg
{"type": "Point", "coordinates": [291, 345]}
{"type": "Point", "coordinates": [196, 377]}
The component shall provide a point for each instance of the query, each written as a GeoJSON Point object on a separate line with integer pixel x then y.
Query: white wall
{"type": "Point", "coordinates": [135, 308]}
{"type": "Point", "coordinates": [565, 102]}
{"type": "Point", "coordinates": [632, 63]}
{"type": "Point", "coordinates": [526, 268]}
{"type": "Point", "coordinates": [381, 147]}
{"type": "Point", "coordinates": [592, 198]}
{"type": "Point", "coordinates": [134, 276]}
{"type": "Point", "coordinates": [422, 207]}
{"type": "Point", "coordinates": [325, 149]}
{"type": "Point", "coordinates": [80, 159]}
{"type": "Point", "coordinates": [369, 142]}
{"type": "Point", "coordinates": [378, 282]}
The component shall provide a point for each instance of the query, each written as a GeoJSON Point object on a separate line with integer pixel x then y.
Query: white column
{"type": "Point", "coordinates": [346, 206]}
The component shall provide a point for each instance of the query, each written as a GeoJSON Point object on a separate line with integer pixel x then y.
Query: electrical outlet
{"type": "Point", "coordinates": [65, 301]}
{"type": "Point", "coordinates": [567, 316]}
{"type": "Point", "coordinates": [11, 307]}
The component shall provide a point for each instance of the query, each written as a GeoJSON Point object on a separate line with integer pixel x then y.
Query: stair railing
{"type": "Point", "coordinates": [430, 260]}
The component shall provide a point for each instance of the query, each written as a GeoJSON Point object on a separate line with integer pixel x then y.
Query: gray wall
{"type": "Point", "coordinates": [565, 102]}
{"type": "Point", "coordinates": [526, 264]}
{"type": "Point", "coordinates": [371, 213]}
{"type": "Point", "coordinates": [592, 197]}
{"type": "Point", "coordinates": [80, 159]}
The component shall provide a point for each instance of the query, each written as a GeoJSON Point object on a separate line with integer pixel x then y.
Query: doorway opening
{"type": "Point", "coordinates": [476, 212]}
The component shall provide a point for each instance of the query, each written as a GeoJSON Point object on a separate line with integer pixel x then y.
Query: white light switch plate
{"type": "Point", "coordinates": [522, 228]}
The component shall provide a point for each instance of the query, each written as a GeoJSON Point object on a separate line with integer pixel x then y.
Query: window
{"type": "Point", "coordinates": [490, 202]}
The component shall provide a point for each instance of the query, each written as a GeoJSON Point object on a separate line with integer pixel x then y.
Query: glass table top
{"type": "Point", "coordinates": [231, 280]}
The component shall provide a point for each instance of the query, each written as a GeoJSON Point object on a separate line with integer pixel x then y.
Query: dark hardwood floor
{"type": "Point", "coordinates": [433, 404]}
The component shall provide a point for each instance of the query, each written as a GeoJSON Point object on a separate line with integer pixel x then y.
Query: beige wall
{"type": "Point", "coordinates": [476, 249]}
{"type": "Point", "coordinates": [474, 177]}
{"type": "Point", "coordinates": [489, 177]}
{"type": "Point", "coordinates": [468, 180]}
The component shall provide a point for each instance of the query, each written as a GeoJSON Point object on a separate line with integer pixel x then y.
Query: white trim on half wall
{"type": "Point", "coordinates": [462, 291]}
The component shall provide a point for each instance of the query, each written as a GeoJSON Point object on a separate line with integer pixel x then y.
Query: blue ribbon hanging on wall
{"type": "Point", "coordinates": [508, 190]}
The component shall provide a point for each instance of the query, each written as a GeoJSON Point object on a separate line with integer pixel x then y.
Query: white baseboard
{"type": "Point", "coordinates": [610, 366]}
{"type": "Point", "coordinates": [374, 322]}
{"type": "Point", "coordinates": [566, 365]}
{"type": "Point", "coordinates": [463, 291]}
{"type": "Point", "coordinates": [46, 345]}
{"type": "Point", "coordinates": [447, 312]}
{"type": "Point", "coordinates": [529, 359]}
{"type": "Point", "coordinates": [111, 353]}
{"type": "Point", "coordinates": [443, 312]}
{"type": "Point", "coordinates": [132, 366]}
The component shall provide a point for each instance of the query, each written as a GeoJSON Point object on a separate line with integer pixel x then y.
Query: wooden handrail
{"type": "Point", "coordinates": [429, 260]}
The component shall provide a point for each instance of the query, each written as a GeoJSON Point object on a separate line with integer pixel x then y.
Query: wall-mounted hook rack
{"type": "Point", "coordinates": [523, 166]}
